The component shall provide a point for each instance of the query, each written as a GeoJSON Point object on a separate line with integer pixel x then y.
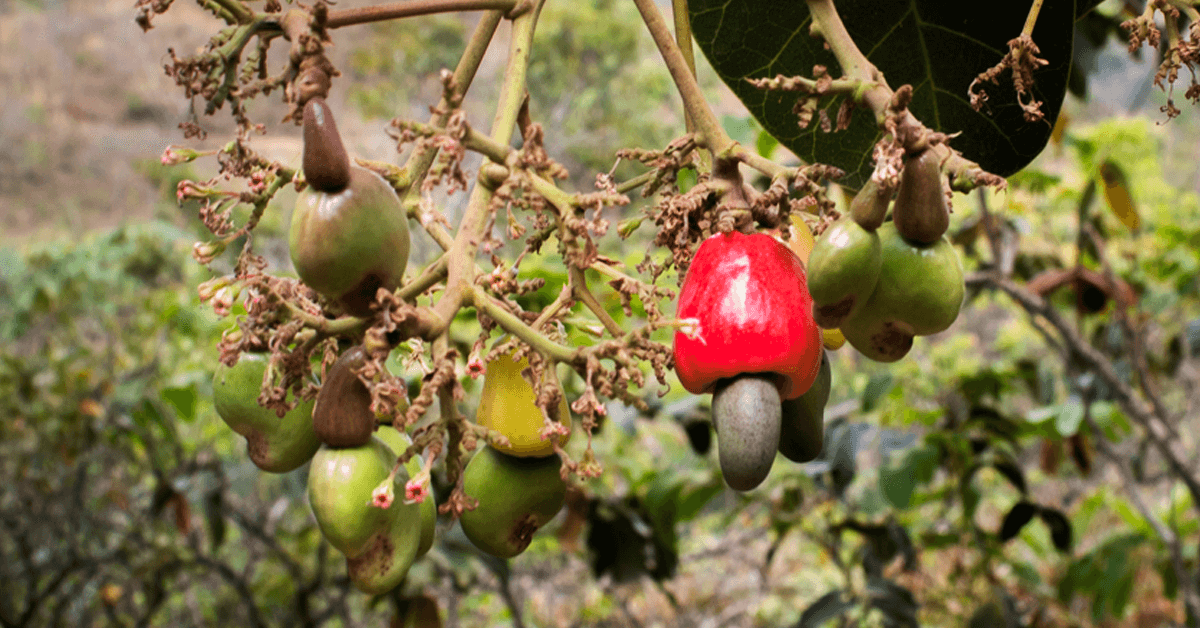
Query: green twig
{"type": "Point", "coordinates": [422, 157]}
{"type": "Point", "coordinates": [1031, 19]}
{"type": "Point", "coordinates": [683, 39]}
{"type": "Point", "coordinates": [515, 326]}
{"type": "Point", "coordinates": [579, 284]}
{"type": "Point", "coordinates": [411, 8]}
{"type": "Point", "coordinates": [708, 127]}
{"type": "Point", "coordinates": [460, 277]}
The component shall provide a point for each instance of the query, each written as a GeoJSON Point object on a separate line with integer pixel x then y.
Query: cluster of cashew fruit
{"type": "Point", "coordinates": [349, 237]}
{"type": "Point", "coordinates": [750, 339]}
{"type": "Point", "coordinates": [882, 283]}
{"type": "Point", "coordinates": [752, 314]}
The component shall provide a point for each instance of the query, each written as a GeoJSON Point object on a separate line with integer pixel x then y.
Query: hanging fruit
{"type": "Point", "coordinates": [517, 496]}
{"type": "Point", "coordinates": [842, 271]}
{"type": "Point", "coordinates": [508, 406]}
{"type": "Point", "coordinates": [802, 430]}
{"type": "Point", "coordinates": [751, 341]}
{"type": "Point", "coordinates": [922, 211]}
{"type": "Point", "coordinates": [275, 444]}
{"type": "Point", "coordinates": [342, 415]}
{"type": "Point", "coordinates": [919, 292]}
{"type": "Point", "coordinates": [349, 234]}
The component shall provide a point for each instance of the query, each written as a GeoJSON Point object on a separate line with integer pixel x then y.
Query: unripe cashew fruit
{"type": "Point", "coordinates": [342, 415]}
{"type": "Point", "coordinates": [919, 292]}
{"type": "Point", "coordinates": [870, 205]}
{"type": "Point", "coordinates": [842, 271]}
{"type": "Point", "coordinates": [517, 496]}
{"type": "Point", "coordinates": [346, 242]}
{"type": "Point", "coordinates": [275, 445]}
{"type": "Point", "coordinates": [508, 405]}
{"type": "Point", "coordinates": [751, 341]}
{"type": "Point", "coordinates": [384, 564]}
{"type": "Point", "coordinates": [398, 442]}
{"type": "Point", "coordinates": [802, 432]}
{"type": "Point", "coordinates": [341, 482]}
{"type": "Point", "coordinates": [921, 213]}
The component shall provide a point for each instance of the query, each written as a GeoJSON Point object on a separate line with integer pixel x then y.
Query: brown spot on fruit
{"type": "Point", "coordinates": [892, 342]}
{"type": "Point", "coordinates": [361, 296]}
{"type": "Point", "coordinates": [522, 532]}
{"type": "Point", "coordinates": [831, 316]}
{"type": "Point", "coordinates": [258, 448]}
{"type": "Point", "coordinates": [373, 563]}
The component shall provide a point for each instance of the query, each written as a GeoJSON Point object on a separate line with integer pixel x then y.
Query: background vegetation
{"type": "Point", "coordinates": [988, 479]}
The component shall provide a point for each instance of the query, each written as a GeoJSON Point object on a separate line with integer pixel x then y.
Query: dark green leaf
{"type": "Point", "coordinates": [843, 466]}
{"type": "Point", "coordinates": [214, 515]}
{"type": "Point", "coordinates": [1060, 528]}
{"type": "Point", "coordinates": [183, 399]}
{"type": "Point", "coordinates": [1170, 579]}
{"type": "Point", "coordinates": [829, 606]}
{"type": "Point", "coordinates": [877, 387]}
{"type": "Point", "coordinates": [1012, 473]}
{"type": "Point", "coordinates": [897, 482]}
{"type": "Point", "coordinates": [691, 503]}
{"type": "Point", "coordinates": [1021, 513]}
{"type": "Point", "coordinates": [1119, 596]}
{"type": "Point", "coordinates": [899, 535]}
{"type": "Point", "coordinates": [937, 46]}
{"type": "Point", "coordinates": [897, 603]}
{"type": "Point", "coordinates": [989, 615]}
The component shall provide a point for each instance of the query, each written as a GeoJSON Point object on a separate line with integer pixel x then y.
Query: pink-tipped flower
{"type": "Point", "coordinates": [222, 301]}
{"type": "Point", "coordinates": [384, 494]}
{"type": "Point", "coordinates": [415, 492]}
{"type": "Point", "coordinates": [553, 427]}
{"type": "Point", "coordinates": [475, 367]}
{"type": "Point", "coordinates": [417, 489]}
{"type": "Point", "coordinates": [175, 155]}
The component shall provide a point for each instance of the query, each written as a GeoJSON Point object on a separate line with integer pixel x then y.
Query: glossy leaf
{"type": "Point", "coordinates": [937, 46]}
{"type": "Point", "coordinates": [1020, 514]}
{"type": "Point", "coordinates": [829, 606]}
{"type": "Point", "coordinates": [897, 603]}
{"type": "Point", "coordinates": [1060, 528]}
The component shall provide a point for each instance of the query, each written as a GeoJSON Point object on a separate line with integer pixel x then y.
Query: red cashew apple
{"type": "Point", "coordinates": [750, 340]}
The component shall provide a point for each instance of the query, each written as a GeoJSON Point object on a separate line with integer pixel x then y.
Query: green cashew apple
{"type": "Point", "coordinates": [922, 211]}
{"type": "Point", "coordinates": [746, 415]}
{"type": "Point", "coordinates": [275, 445]}
{"type": "Point", "coordinates": [842, 271]}
{"type": "Point", "coordinates": [341, 482]}
{"type": "Point", "coordinates": [385, 562]}
{"type": "Point", "coordinates": [802, 430]}
{"type": "Point", "coordinates": [399, 441]}
{"type": "Point", "coordinates": [346, 241]}
{"type": "Point", "coordinates": [342, 414]}
{"type": "Point", "coordinates": [919, 292]}
{"type": "Point", "coordinates": [508, 406]}
{"type": "Point", "coordinates": [517, 496]}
